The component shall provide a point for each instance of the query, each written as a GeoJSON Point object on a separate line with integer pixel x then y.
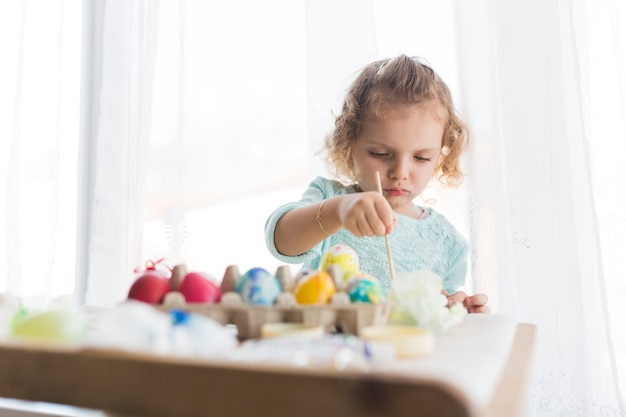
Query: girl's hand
{"type": "Point", "coordinates": [366, 214]}
{"type": "Point", "coordinates": [476, 303]}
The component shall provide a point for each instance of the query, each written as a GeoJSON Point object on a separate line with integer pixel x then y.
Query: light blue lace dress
{"type": "Point", "coordinates": [431, 242]}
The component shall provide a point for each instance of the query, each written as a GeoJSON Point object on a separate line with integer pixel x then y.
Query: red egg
{"type": "Point", "coordinates": [197, 287]}
{"type": "Point", "coordinates": [150, 287]}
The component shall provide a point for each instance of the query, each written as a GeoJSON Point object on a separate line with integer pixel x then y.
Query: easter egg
{"type": "Point", "coordinates": [343, 256]}
{"type": "Point", "coordinates": [303, 274]}
{"type": "Point", "coordinates": [257, 286]}
{"type": "Point", "coordinates": [150, 287]}
{"type": "Point", "coordinates": [315, 288]}
{"type": "Point", "coordinates": [364, 288]}
{"type": "Point", "coordinates": [63, 326]}
{"type": "Point", "coordinates": [198, 287]}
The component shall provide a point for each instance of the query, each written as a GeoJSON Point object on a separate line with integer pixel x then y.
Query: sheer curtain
{"type": "Point", "coordinates": [543, 86]}
{"type": "Point", "coordinates": [119, 53]}
{"type": "Point", "coordinates": [39, 119]}
{"type": "Point", "coordinates": [197, 118]}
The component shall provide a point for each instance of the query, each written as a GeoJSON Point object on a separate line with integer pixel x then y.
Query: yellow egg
{"type": "Point", "coordinates": [343, 256]}
{"type": "Point", "coordinates": [63, 326]}
{"type": "Point", "coordinates": [316, 288]}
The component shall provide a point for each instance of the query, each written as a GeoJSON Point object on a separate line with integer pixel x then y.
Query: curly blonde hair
{"type": "Point", "coordinates": [400, 80]}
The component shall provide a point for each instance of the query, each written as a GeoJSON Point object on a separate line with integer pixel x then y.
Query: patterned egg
{"type": "Point", "coordinates": [317, 288]}
{"type": "Point", "coordinates": [257, 286]}
{"type": "Point", "coordinates": [302, 274]}
{"type": "Point", "coordinates": [343, 256]}
{"type": "Point", "coordinates": [364, 288]}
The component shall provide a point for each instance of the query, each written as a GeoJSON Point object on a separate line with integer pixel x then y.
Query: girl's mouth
{"type": "Point", "coordinates": [396, 192]}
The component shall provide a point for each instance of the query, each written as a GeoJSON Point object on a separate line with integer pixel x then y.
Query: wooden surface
{"type": "Point", "coordinates": [136, 385]}
{"type": "Point", "coordinates": [510, 398]}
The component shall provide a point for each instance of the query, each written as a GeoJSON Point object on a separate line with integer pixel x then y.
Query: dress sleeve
{"type": "Point", "coordinates": [316, 191]}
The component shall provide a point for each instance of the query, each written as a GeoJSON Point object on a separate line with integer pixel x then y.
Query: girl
{"type": "Point", "coordinates": [398, 119]}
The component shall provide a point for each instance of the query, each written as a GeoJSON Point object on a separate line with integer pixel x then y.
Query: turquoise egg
{"type": "Point", "coordinates": [363, 288]}
{"type": "Point", "coordinates": [257, 286]}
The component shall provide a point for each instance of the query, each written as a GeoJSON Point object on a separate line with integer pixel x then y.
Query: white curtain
{"type": "Point", "coordinates": [138, 130]}
{"type": "Point", "coordinates": [119, 67]}
{"type": "Point", "coordinates": [39, 120]}
{"type": "Point", "coordinates": [543, 86]}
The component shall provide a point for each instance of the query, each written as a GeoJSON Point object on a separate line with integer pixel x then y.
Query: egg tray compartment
{"type": "Point", "coordinates": [339, 316]}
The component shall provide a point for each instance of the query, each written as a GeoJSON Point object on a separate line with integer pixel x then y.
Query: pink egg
{"type": "Point", "coordinates": [198, 287]}
{"type": "Point", "coordinates": [150, 287]}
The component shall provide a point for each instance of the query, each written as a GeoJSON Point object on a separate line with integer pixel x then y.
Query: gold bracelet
{"type": "Point", "coordinates": [318, 217]}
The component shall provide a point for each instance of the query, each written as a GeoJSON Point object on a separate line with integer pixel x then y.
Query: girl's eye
{"type": "Point", "coordinates": [378, 154]}
{"type": "Point", "coordinates": [422, 158]}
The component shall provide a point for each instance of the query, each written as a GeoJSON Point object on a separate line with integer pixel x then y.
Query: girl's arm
{"type": "Point", "coordinates": [297, 231]}
{"type": "Point", "coordinates": [363, 214]}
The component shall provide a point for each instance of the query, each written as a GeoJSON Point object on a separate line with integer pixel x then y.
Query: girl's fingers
{"type": "Point", "coordinates": [386, 216]}
{"type": "Point", "coordinates": [476, 300]}
{"type": "Point", "coordinates": [477, 303]}
{"type": "Point", "coordinates": [365, 228]}
{"type": "Point", "coordinates": [474, 304]}
{"type": "Point", "coordinates": [479, 310]}
{"type": "Point", "coordinates": [457, 297]}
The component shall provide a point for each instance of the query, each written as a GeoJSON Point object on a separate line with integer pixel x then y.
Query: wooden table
{"type": "Point", "coordinates": [140, 385]}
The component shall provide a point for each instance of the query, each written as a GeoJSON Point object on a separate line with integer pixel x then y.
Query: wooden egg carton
{"type": "Point", "coordinates": [339, 316]}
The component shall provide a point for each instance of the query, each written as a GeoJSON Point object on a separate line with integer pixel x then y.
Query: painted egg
{"type": "Point", "coordinates": [317, 288]}
{"type": "Point", "coordinates": [63, 326]}
{"type": "Point", "coordinates": [302, 274]}
{"type": "Point", "coordinates": [257, 286]}
{"type": "Point", "coordinates": [343, 256]}
{"type": "Point", "coordinates": [199, 287]}
{"type": "Point", "coordinates": [364, 288]}
{"type": "Point", "coordinates": [150, 287]}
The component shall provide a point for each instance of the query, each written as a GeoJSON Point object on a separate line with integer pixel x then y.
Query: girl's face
{"type": "Point", "coordinates": [404, 145]}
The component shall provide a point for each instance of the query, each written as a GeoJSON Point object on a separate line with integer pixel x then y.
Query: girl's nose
{"type": "Point", "coordinates": [399, 171]}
